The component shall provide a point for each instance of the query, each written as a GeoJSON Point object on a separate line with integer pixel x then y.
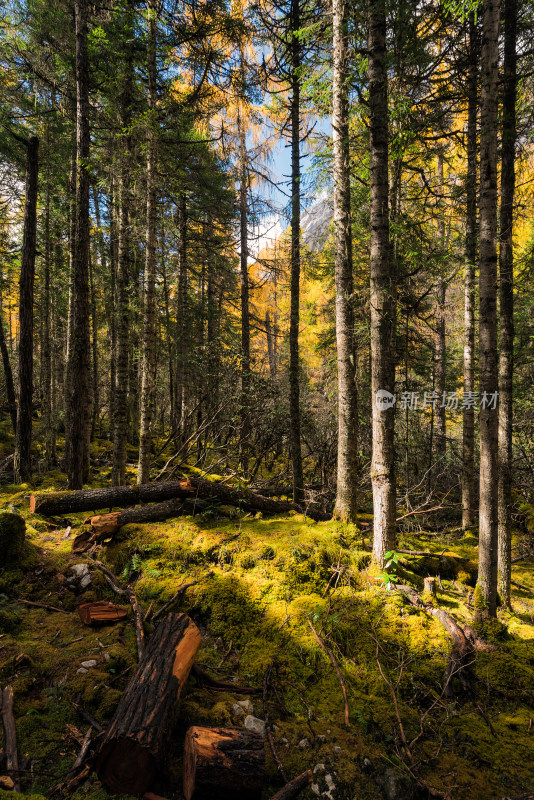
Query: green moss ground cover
{"type": "Point", "coordinates": [270, 578]}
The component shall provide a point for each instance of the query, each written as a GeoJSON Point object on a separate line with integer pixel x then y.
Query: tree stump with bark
{"type": "Point", "coordinates": [226, 763]}
{"type": "Point", "coordinates": [131, 752]}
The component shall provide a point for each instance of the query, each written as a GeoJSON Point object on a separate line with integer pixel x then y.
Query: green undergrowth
{"type": "Point", "coordinates": [272, 580]}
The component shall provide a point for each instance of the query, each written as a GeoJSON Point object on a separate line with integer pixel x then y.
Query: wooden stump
{"type": "Point", "coordinates": [131, 751]}
{"type": "Point", "coordinates": [226, 763]}
{"type": "Point", "coordinates": [430, 586]}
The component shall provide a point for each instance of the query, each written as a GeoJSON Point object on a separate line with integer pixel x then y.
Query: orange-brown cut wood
{"type": "Point", "coordinates": [101, 613]}
{"type": "Point", "coordinates": [226, 763]}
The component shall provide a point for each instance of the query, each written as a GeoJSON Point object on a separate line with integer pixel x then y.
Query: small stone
{"type": "Point", "coordinates": [304, 744]}
{"type": "Point", "coordinates": [321, 738]}
{"type": "Point", "coordinates": [318, 768]}
{"type": "Point", "coordinates": [107, 656]}
{"type": "Point", "coordinates": [246, 705]}
{"type": "Point", "coordinates": [254, 724]}
{"type": "Point", "coordinates": [6, 782]}
{"type": "Point", "coordinates": [315, 789]}
{"type": "Point", "coordinates": [283, 740]}
{"type": "Point", "coordinates": [89, 664]}
{"type": "Point", "coordinates": [82, 671]}
{"type": "Point", "coordinates": [329, 732]}
{"type": "Point", "coordinates": [367, 765]}
{"type": "Point", "coordinates": [237, 711]}
{"type": "Point", "coordinates": [337, 749]}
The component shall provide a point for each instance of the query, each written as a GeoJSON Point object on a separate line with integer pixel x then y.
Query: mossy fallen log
{"type": "Point", "coordinates": [57, 503]}
{"type": "Point", "coordinates": [131, 752]}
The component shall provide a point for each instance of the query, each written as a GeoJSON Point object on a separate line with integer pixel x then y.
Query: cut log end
{"type": "Point", "coordinates": [227, 763]}
{"type": "Point", "coordinates": [128, 767]}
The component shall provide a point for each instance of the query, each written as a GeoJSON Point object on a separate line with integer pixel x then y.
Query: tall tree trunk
{"type": "Point", "coordinates": [46, 347]}
{"type": "Point", "coordinates": [439, 348]}
{"type": "Point", "coordinates": [294, 378]}
{"type": "Point", "coordinates": [113, 259]}
{"type": "Point", "coordinates": [94, 362]}
{"type": "Point", "coordinates": [382, 294]}
{"type": "Point", "coordinates": [123, 289]}
{"type": "Point", "coordinates": [487, 570]}
{"type": "Point", "coordinates": [506, 298]}
{"type": "Point", "coordinates": [347, 454]}
{"type": "Point", "coordinates": [23, 440]}
{"type": "Point", "coordinates": [149, 304]}
{"type": "Point", "coordinates": [245, 313]}
{"type": "Point", "coordinates": [468, 443]}
{"type": "Point", "coordinates": [78, 382]}
{"type": "Point", "coordinates": [181, 323]}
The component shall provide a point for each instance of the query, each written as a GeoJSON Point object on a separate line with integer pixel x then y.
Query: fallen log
{"type": "Point", "coordinates": [131, 751]}
{"type": "Point", "coordinates": [101, 613]}
{"type": "Point", "coordinates": [250, 501]}
{"type": "Point", "coordinates": [294, 787]}
{"type": "Point", "coordinates": [57, 503]}
{"type": "Point", "coordinates": [226, 763]}
{"type": "Point", "coordinates": [107, 524]}
{"type": "Point", "coordinates": [10, 733]}
{"type": "Point", "coordinates": [463, 649]}
{"type": "Point", "coordinates": [447, 565]}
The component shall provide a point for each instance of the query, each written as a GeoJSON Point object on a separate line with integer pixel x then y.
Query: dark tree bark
{"type": "Point", "coordinates": [78, 378]}
{"type": "Point", "coordinates": [23, 439]}
{"type": "Point", "coordinates": [123, 288]}
{"type": "Point", "coordinates": [347, 454]}
{"type": "Point", "coordinates": [382, 293]}
{"type": "Point", "coordinates": [294, 378]}
{"type": "Point", "coordinates": [487, 573]}
{"type": "Point", "coordinates": [149, 300]}
{"type": "Point", "coordinates": [468, 443]}
{"type": "Point", "coordinates": [181, 325]}
{"type": "Point", "coordinates": [131, 751]}
{"type": "Point", "coordinates": [46, 344]}
{"type": "Point", "coordinates": [506, 300]}
{"type": "Point", "coordinates": [245, 312]}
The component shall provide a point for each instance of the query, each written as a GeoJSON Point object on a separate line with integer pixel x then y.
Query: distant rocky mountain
{"type": "Point", "coordinates": [314, 223]}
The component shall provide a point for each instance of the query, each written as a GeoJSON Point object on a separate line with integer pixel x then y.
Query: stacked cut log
{"type": "Point", "coordinates": [226, 763]}
{"type": "Point", "coordinates": [58, 503]}
{"type": "Point", "coordinates": [131, 752]}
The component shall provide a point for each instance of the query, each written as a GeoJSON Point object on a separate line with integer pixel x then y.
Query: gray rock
{"type": "Point", "coordinates": [304, 744]}
{"type": "Point", "coordinates": [237, 711]}
{"type": "Point", "coordinates": [246, 705]}
{"type": "Point", "coordinates": [337, 749]}
{"type": "Point", "coordinates": [284, 741]}
{"type": "Point", "coordinates": [81, 577]}
{"type": "Point", "coordinates": [89, 664]}
{"type": "Point", "coordinates": [254, 724]}
{"type": "Point", "coordinates": [395, 786]}
{"type": "Point", "coordinates": [315, 789]}
{"type": "Point", "coordinates": [82, 671]}
{"type": "Point", "coordinates": [321, 738]}
{"type": "Point", "coordinates": [319, 768]}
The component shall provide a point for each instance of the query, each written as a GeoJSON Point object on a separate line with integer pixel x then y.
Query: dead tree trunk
{"type": "Point", "coordinates": [227, 763]}
{"type": "Point", "coordinates": [132, 749]}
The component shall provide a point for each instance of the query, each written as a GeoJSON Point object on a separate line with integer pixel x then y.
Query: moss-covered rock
{"type": "Point", "coordinates": [12, 538]}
